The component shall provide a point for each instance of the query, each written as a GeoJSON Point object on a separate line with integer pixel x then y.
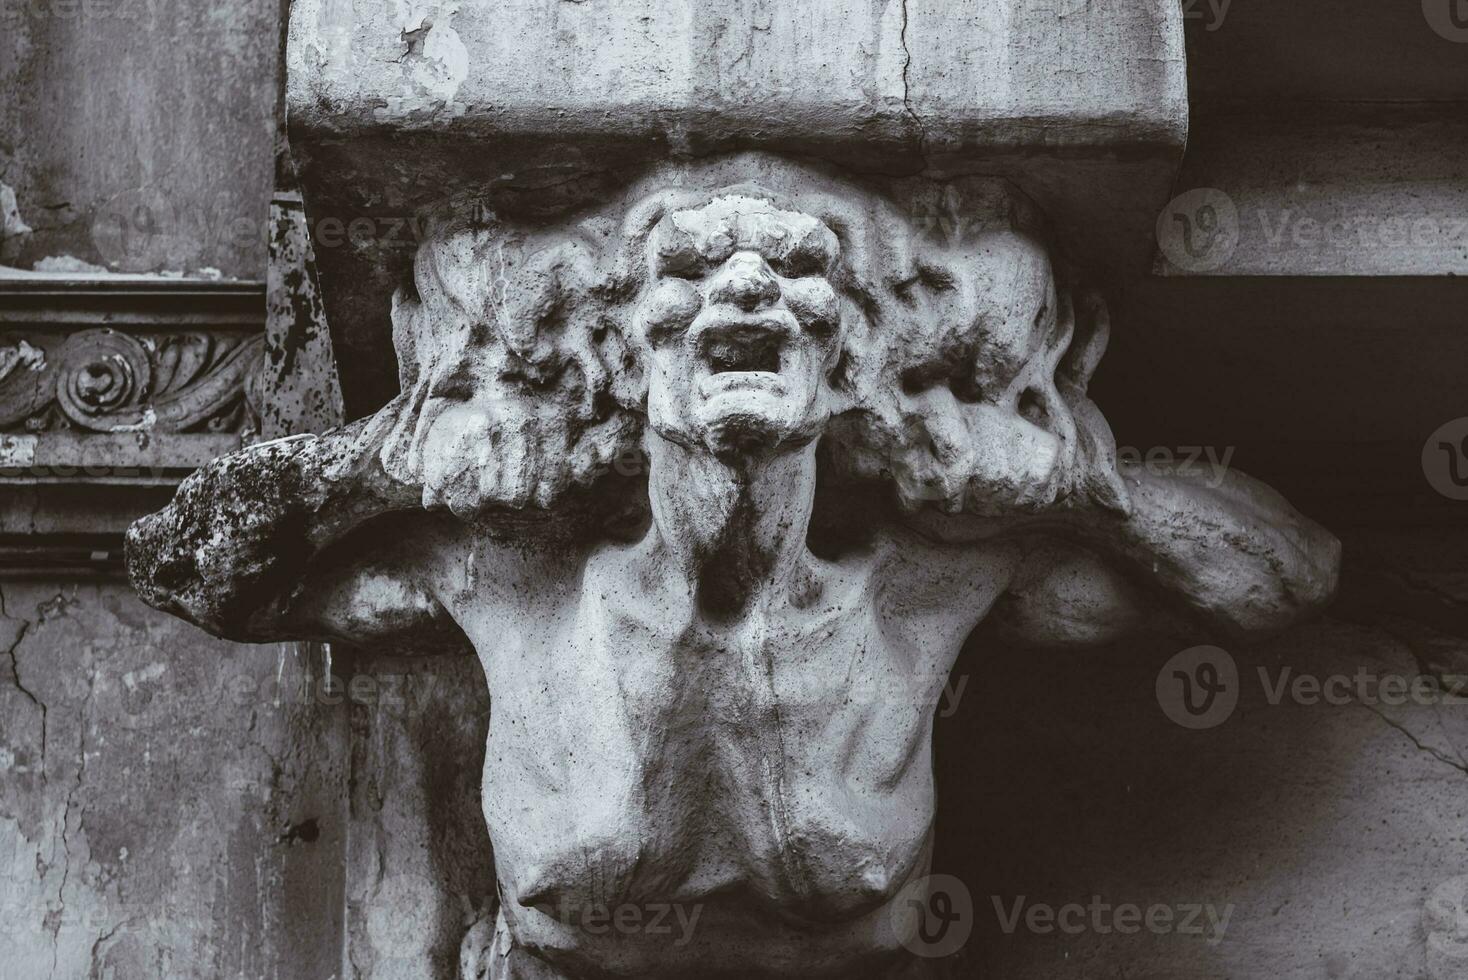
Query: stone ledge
{"type": "Point", "coordinates": [540, 107]}
{"type": "Point", "coordinates": [1321, 190]}
{"type": "Point", "coordinates": [112, 390]}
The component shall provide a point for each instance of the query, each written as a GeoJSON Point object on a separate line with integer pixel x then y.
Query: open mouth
{"type": "Point", "coordinates": [744, 348]}
{"type": "Point", "coordinates": [727, 355]}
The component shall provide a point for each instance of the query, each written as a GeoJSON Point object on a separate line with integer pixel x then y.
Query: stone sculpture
{"type": "Point", "coordinates": [715, 481]}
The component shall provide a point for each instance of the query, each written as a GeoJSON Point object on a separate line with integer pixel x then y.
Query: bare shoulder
{"type": "Point", "coordinates": [930, 561]}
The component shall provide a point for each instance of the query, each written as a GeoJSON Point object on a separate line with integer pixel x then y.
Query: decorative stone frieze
{"type": "Point", "coordinates": [106, 381]}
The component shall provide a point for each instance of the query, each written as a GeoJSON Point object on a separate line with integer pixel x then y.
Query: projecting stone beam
{"type": "Point", "coordinates": [1321, 192]}
{"type": "Point", "coordinates": [539, 107]}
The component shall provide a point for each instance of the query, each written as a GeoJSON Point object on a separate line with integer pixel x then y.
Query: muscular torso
{"type": "Point", "coordinates": [771, 771]}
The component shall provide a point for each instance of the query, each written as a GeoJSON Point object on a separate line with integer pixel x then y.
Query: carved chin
{"type": "Point", "coordinates": [751, 414]}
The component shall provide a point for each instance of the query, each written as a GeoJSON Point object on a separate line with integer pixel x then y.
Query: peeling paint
{"type": "Point", "coordinates": [19, 355]}
{"type": "Point", "coordinates": [10, 220]}
{"type": "Point", "coordinates": [435, 57]}
{"type": "Point", "coordinates": [69, 264]}
{"type": "Point", "coordinates": [140, 808]}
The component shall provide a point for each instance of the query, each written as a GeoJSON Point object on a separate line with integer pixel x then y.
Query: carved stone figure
{"type": "Point", "coordinates": [716, 481]}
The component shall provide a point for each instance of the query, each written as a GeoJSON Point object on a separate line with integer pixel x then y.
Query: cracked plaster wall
{"type": "Point", "coordinates": [172, 805]}
{"type": "Point", "coordinates": [139, 135]}
{"type": "Point", "coordinates": [153, 797]}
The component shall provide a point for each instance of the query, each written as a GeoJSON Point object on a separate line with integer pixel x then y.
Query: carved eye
{"type": "Point", "coordinates": [689, 273]}
{"type": "Point", "coordinates": [813, 302]}
{"type": "Point", "coordinates": [678, 259]}
{"type": "Point", "coordinates": [669, 310]}
{"type": "Point", "coordinates": [821, 326]}
{"type": "Point", "coordinates": [799, 264]}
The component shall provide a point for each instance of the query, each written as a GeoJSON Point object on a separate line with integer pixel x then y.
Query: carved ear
{"type": "Point", "coordinates": [1096, 445]}
{"type": "Point", "coordinates": [1089, 336]}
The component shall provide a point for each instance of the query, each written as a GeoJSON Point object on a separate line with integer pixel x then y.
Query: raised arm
{"type": "Point", "coordinates": [506, 419]}
{"type": "Point", "coordinates": [302, 538]}
{"type": "Point", "coordinates": [1237, 554]}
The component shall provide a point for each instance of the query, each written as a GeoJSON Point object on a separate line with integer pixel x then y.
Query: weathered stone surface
{"type": "Point", "coordinates": [298, 389]}
{"type": "Point", "coordinates": [1320, 191]}
{"type": "Point", "coordinates": [418, 870]}
{"type": "Point", "coordinates": [537, 109]}
{"type": "Point", "coordinates": [861, 440]}
{"type": "Point", "coordinates": [987, 75]}
{"type": "Point", "coordinates": [138, 135]}
{"type": "Point", "coordinates": [170, 804]}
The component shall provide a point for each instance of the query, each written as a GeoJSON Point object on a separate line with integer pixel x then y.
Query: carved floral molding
{"type": "Point", "coordinates": [106, 381]}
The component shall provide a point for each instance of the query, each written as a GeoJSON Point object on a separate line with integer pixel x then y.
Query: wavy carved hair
{"type": "Point", "coordinates": [962, 378]}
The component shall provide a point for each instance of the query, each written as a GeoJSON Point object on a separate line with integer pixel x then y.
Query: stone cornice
{"type": "Point", "coordinates": [112, 389]}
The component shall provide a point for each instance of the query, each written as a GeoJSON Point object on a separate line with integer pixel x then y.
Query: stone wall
{"type": "Point", "coordinates": [1330, 835]}
{"type": "Point", "coordinates": [171, 805]}
{"type": "Point", "coordinates": [139, 135]}
{"type": "Point", "coordinates": [175, 805]}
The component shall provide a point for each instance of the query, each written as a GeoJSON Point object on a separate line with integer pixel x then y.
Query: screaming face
{"type": "Point", "coordinates": [739, 326]}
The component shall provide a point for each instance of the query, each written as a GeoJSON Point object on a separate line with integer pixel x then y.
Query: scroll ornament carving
{"type": "Point", "coordinates": [714, 671]}
{"type": "Point", "coordinates": [107, 381]}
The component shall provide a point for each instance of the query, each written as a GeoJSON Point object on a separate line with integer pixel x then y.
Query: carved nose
{"type": "Point", "coordinates": [746, 282]}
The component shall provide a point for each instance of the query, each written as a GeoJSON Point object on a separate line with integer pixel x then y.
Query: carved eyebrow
{"type": "Point", "coordinates": [674, 250]}
{"type": "Point", "coordinates": [810, 253]}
